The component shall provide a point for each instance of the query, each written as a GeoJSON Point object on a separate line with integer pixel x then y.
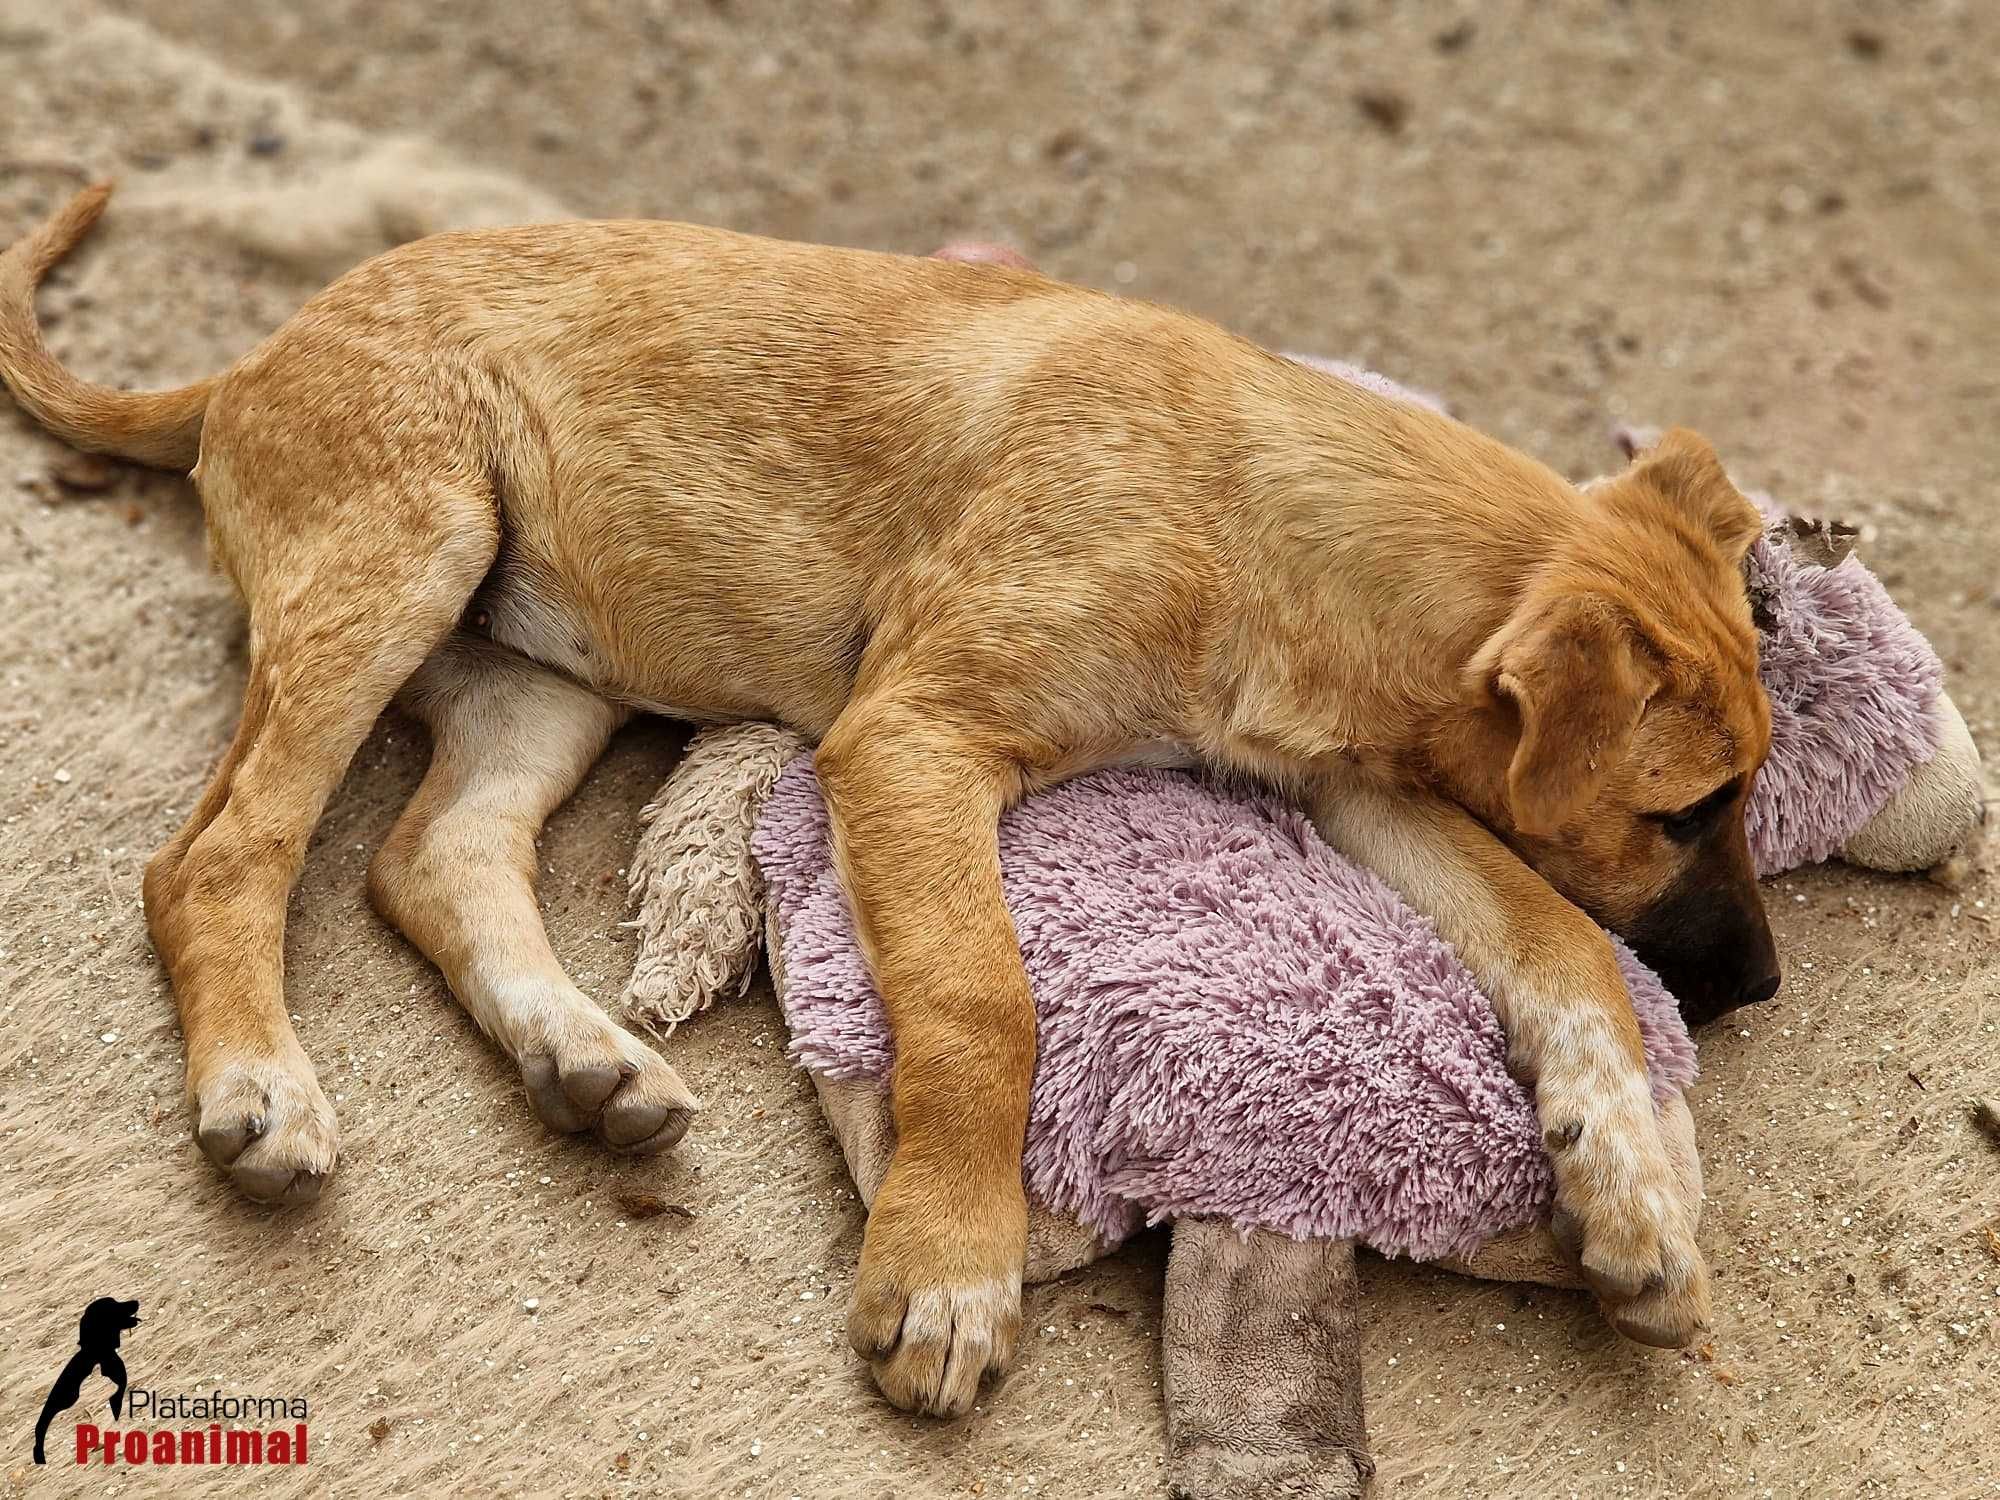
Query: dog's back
{"type": "Point", "coordinates": [715, 458]}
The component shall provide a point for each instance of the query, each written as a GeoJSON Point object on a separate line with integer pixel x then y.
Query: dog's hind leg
{"type": "Point", "coordinates": [510, 742]}
{"type": "Point", "coordinates": [348, 594]}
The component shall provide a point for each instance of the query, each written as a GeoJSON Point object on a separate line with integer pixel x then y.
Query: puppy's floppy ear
{"type": "Point", "coordinates": [1683, 467]}
{"type": "Point", "coordinates": [1579, 673]}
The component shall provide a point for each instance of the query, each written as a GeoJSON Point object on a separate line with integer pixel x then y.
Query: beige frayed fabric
{"type": "Point", "coordinates": [698, 891]}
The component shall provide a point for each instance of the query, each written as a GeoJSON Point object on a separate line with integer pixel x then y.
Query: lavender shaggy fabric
{"type": "Point", "coordinates": [1852, 685]}
{"type": "Point", "coordinates": [1235, 1022]}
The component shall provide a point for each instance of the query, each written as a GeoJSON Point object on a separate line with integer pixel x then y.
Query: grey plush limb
{"type": "Point", "coordinates": [1261, 1341]}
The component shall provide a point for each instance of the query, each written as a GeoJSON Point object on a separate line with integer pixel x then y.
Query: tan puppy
{"type": "Point", "coordinates": [974, 531]}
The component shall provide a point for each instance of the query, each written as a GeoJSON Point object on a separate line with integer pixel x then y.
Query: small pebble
{"type": "Point", "coordinates": [1385, 108]}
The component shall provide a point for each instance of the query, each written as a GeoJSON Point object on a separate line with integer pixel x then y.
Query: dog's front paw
{"type": "Point", "coordinates": [267, 1124]}
{"type": "Point", "coordinates": [937, 1298]}
{"type": "Point", "coordinates": [1621, 1214]}
{"type": "Point", "coordinates": [588, 1074]}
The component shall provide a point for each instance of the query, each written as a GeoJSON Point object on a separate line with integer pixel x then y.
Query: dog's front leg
{"type": "Point", "coordinates": [916, 806]}
{"type": "Point", "coordinates": [1555, 983]}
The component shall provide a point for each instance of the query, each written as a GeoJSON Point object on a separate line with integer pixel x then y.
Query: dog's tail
{"type": "Point", "coordinates": [161, 428]}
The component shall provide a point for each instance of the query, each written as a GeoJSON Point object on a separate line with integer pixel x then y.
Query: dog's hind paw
{"type": "Point", "coordinates": [600, 1078]}
{"type": "Point", "coordinates": [268, 1125]}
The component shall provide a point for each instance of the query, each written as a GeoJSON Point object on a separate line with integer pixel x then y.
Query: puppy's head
{"type": "Point", "coordinates": [1624, 721]}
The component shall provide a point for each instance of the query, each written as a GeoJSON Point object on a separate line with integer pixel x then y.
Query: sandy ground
{"type": "Point", "coordinates": [1769, 221]}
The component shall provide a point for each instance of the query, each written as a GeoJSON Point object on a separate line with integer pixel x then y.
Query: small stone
{"type": "Point", "coordinates": [1455, 39]}
{"type": "Point", "coordinates": [62, 778]}
{"type": "Point", "coordinates": [1986, 1115]}
{"type": "Point", "coordinates": [1385, 107]}
{"type": "Point", "coordinates": [109, 1036]}
{"type": "Point", "coordinates": [379, 1428]}
{"type": "Point", "coordinates": [532, 1304]}
{"type": "Point", "coordinates": [266, 143]}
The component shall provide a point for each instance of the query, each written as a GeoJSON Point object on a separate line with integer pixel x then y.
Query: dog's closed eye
{"type": "Point", "coordinates": [1688, 823]}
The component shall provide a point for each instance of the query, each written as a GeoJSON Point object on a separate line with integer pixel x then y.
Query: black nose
{"type": "Point", "coordinates": [1760, 990]}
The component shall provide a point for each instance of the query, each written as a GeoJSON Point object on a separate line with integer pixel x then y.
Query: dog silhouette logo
{"type": "Point", "coordinates": [97, 1335]}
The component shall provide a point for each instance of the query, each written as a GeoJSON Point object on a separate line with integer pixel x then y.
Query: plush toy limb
{"type": "Point", "coordinates": [700, 896]}
{"type": "Point", "coordinates": [864, 1127]}
{"type": "Point", "coordinates": [1935, 812]}
{"type": "Point", "coordinates": [1261, 1341]}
